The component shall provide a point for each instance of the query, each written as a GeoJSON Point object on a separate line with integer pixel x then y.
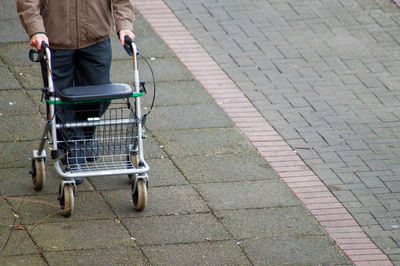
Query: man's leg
{"type": "Point", "coordinates": [64, 64]}
{"type": "Point", "coordinates": [93, 68]}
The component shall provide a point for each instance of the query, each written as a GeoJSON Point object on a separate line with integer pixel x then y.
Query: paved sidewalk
{"type": "Point", "coordinates": [212, 199]}
{"type": "Point", "coordinates": [325, 74]}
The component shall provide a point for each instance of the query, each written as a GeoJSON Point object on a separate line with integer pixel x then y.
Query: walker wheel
{"type": "Point", "coordinates": [139, 196]}
{"type": "Point", "coordinates": [135, 161]}
{"type": "Point", "coordinates": [38, 174]}
{"type": "Point", "coordinates": [67, 201]}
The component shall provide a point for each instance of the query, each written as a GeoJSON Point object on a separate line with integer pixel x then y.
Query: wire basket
{"type": "Point", "coordinates": [96, 136]}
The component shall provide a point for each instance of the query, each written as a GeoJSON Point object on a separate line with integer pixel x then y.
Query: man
{"type": "Point", "coordinates": [77, 32]}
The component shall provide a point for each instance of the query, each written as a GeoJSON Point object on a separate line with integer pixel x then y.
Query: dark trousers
{"type": "Point", "coordinates": [80, 67]}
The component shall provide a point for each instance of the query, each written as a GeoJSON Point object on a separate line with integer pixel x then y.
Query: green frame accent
{"type": "Point", "coordinates": [134, 95]}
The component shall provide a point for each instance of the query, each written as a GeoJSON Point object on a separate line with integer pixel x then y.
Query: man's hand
{"type": "Point", "coordinates": [123, 33]}
{"type": "Point", "coordinates": [37, 39]}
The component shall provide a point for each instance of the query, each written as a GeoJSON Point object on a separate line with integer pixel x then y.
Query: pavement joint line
{"type": "Point", "coordinates": [153, 11]}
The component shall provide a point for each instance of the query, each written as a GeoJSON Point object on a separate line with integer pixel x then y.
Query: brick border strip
{"type": "Point", "coordinates": [396, 2]}
{"type": "Point", "coordinates": [317, 198]}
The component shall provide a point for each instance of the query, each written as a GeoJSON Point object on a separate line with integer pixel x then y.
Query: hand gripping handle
{"type": "Point", "coordinates": [128, 46]}
{"type": "Point", "coordinates": [37, 56]}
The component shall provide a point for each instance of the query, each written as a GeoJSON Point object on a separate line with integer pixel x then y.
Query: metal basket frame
{"type": "Point", "coordinates": [109, 160]}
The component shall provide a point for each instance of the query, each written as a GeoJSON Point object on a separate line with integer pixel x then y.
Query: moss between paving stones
{"type": "Point", "coordinates": [205, 253]}
{"type": "Point", "coordinates": [175, 229]}
{"type": "Point", "coordinates": [169, 200]}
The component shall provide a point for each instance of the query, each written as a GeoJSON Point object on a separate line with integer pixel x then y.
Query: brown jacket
{"type": "Point", "coordinates": [73, 24]}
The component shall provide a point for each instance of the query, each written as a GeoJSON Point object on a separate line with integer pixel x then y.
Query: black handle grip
{"type": "Point", "coordinates": [128, 46]}
{"type": "Point", "coordinates": [37, 56]}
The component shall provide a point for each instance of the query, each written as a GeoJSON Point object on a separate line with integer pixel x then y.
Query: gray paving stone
{"type": "Point", "coordinates": [206, 253]}
{"type": "Point", "coordinates": [18, 182]}
{"type": "Point", "coordinates": [14, 103]}
{"type": "Point", "coordinates": [163, 172]}
{"type": "Point", "coordinates": [188, 117]}
{"type": "Point", "coordinates": [303, 250]}
{"type": "Point", "coordinates": [16, 154]}
{"type": "Point", "coordinates": [12, 26]}
{"type": "Point", "coordinates": [101, 183]}
{"type": "Point", "coordinates": [149, 46]}
{"type": "Point", "coordinates": [393, 186]}
{"type": "Point", "coordinates": [16, 54]}
{"type": "Point", "coordinates": [271, 222]}
{"type": "Point", "coordinates": [242, 195]}
{"type": "Point", "coordinates": [6, 215]}
{"type": "Point", "coordinates": [203, 142]}
{"type": "Point", "coordinates": [166, 69]}
{"type": "Point", "coordinates": [364, 219]}
{"type": "Point", "coordinates": [117, 255]}
{"type": "Point", "coordinates": [141, 27]}
{"type": "Point", "coordinates": [15, 128]}
{"type": "Point", "coordinates": [178, 93]}
{"type": "Point", "coordinates": [19, 244]}
{"type": "Point", "coordinates": [33, 260]}
{"type": "Point", "coordinates": [161, 230]}
{"type": "Point", "coordinates": [5, 13]}
{"type": "Point", "coordinates": [7, 78]}
{"type": "Point", "coordinates": [68, 235]}
{"type": "Point", "coordinates": [225, 168]}
{"type": "Point", "coordinates": [45, 208]}
{"type": "Point", "coordinates": [28, 77]}
{"type": "Point", "coordinates": [171, 200]}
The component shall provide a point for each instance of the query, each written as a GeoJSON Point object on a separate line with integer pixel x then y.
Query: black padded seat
{"type": "Point", "coordinates": [95, 92]}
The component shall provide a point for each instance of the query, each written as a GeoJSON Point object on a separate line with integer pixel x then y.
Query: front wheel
{"type": "Point", "coordinates": [139, 196]}
{"type": "Point", "coordinates": [67, 201]}
{"type": "Point", "coordinates": [38, 174]}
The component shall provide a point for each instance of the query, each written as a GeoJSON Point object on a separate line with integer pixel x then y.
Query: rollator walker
{"type": "Point", "coordinates": [105, 138]}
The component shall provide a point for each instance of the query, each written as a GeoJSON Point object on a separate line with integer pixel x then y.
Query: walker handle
{"type": "Point", "coordinates": [39, 54]}
{"type": "Point", "coordinates": [128, 46]}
